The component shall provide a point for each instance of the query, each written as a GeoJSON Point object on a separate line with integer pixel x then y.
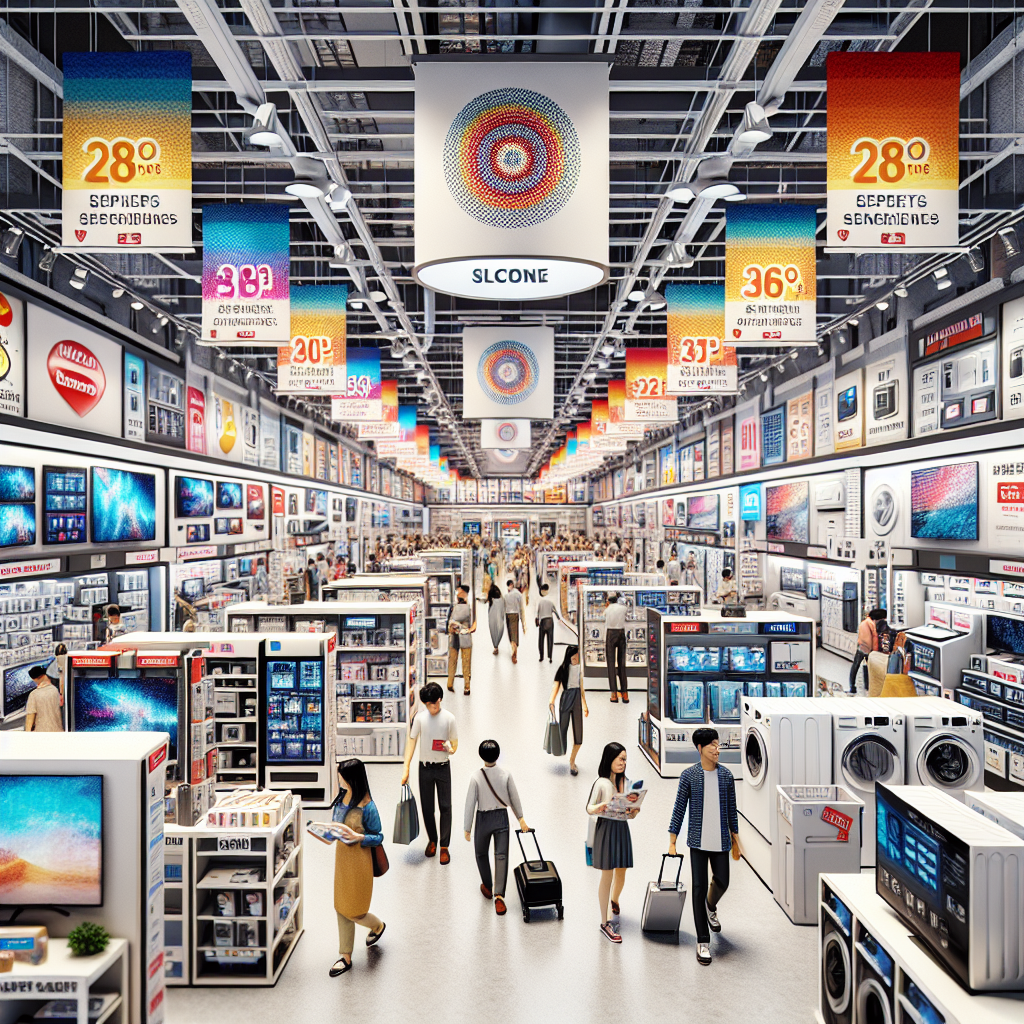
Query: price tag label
{"type": "Point", "coordinates": [234, 844]}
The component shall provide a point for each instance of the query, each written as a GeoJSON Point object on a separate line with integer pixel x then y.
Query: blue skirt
{"type": "Point", "coordinates": [613, 847]}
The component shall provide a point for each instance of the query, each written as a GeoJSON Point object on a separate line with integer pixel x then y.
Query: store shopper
{"type": "Point", "coordinates": [495, 615]}
{"type": "Point", "coordinates": [42, 712]}
{"type": "Point", "coordinates": [57, 669]}
{"type": "Point", "coordinates": [440, 739]}
{"type": "Point", "coordinates": [726, 592]}
{"type": "Point", "coordinates": [353, 864]}
{"type": "Point", "coordinates": [492, 790]}
{"type": "Point", "coordinates": [545, 622]}
{"type": "Point", "coordinates": [709, 790]}
{"type": "Point", "coordinates": [573, 705]}
{"type": "Point", "coordinates": [610, 842]}
{"type": "Point", "coordinates": [262, 585]}
{"type": "Point", "coordinates": [867, 641]}
{"type": "Point", "coordinates": [114, 627]}
{"type": "Point", "coordinates": [461, 628]}
{"type": "Point", "coordinates": [615, 646]}
{"type": "Point", "coordinates": [514, 617]}
{"type": "Point", "coordinates": [312, 581]}
{"type": "Point", "coordinates": [674, 571]}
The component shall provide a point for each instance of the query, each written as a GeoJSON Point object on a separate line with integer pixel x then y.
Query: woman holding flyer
{"type": "Point", "coordinates": [613, 803]}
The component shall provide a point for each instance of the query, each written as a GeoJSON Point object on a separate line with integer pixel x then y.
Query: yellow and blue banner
{"type": "Point", "coordinates": [698, 358]}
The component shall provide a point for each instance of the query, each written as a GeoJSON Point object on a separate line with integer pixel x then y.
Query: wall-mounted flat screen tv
{"type": "Point", "coordinates": [944, 502]}
{"type": "Point", "coordinates": [787, 512]}
{"type": "Point", "coordinates": [123, 505]}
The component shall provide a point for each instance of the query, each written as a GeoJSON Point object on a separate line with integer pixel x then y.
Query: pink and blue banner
{"type": "Point", "coordinates": [362, 401]}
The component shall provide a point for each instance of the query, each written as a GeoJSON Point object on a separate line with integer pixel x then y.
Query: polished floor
{"type": "Point", "coordinates": [447, 957]}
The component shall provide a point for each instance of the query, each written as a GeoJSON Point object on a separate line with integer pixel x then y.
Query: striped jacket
{"type": "Point", "coordinates": [691, 792]}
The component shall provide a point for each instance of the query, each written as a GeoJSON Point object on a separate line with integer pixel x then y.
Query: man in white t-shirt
{"type": "Point", "coordinates": [440, 739]}
{"type": "Point", "coordinates": [514, 617]}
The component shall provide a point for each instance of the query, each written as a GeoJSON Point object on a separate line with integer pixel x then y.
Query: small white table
{"type": "Point", "coordinates": [63, 976]}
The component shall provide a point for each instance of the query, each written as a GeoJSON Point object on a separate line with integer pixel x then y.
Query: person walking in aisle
{"type": "Point", "coordinates": [440, 740]}
{"type": "Point", "coordinates": [42, 712]}
{"type": "Point", "coordinates": [709, 790]}
{"type": "Point", "coordinates": [674, 571]}
{"type": "Point", "coordinates": [610, 841]}
{"type": "Point", "coordinates": [492, 790]}
{"type": "Point", "coordinates": [495, 615]}
{"type": "Point", "coordinates": [573, 705]}
{"type": "Point", "coordinates": [461, 628]}
{"type": "Point", "coordinates": [615, 646]}
{"type": "Point", "coordinates": [545, 622]}
{"type": "Point", "coordinates": [514, 617]}
{"type": "Point", "coordinates": [867, 641]}
{"type": "Point", "coordinates": [360, 825]}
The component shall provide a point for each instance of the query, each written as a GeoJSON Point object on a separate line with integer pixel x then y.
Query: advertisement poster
{"type": "Point", "coordinates": [12, 356]}
{"type": "Point", "coordinates": [127, 161]}
{"type": "Point", "coordinates": [893, 150]}
{"type": "Point", "coordinates": [750, 442]}
{"type": "Point", "coordinates": [887, 406]}
{"type": "Point", "coordinates": [668, 512]}
{"type": "Point", "coordinates": [270, 439]}
{"type": "Point", "coordinates": [714, 440]}
{"type": "Point", "coordinates": [770, 273]}
{"type": "Point", "coordinates": [800, 416]}
{"type": "Point", "coordinates": [750, 502]}
{"type": "Point", "coordinates": [618, 425]}
{"type": "Point", "coordinates": [246, 263]}
{"type": "Point", "coordinates": [250, 436]}
{"type": "Point", "coordinates": [646, 381]}
{"type": "Point", "coordinates": [1006, 504]}
{"type": "Point", "coordinates": [507, 433]}
{"type": "Point", "coordinates": [333, 469]}
{"type": "Point", "coordinates": [508, 371]}
{"type": "Point", "coordinates": [773, 436]}
{"type": "Point", "coordinates": [926, 399]}
{"type": "Point", "coordinates": [315, 359]}
{"type": "Point", "coordinates": [387, 425]}
{"type": "Point", "coordinates": [74, 375]}
{"type": "Point", "coordinates": [600, 439]}
{"type": "Point", "coordinates": [225, 429]}
{"type": "Point", "coordinates": [321, 459]}
{"type": "Point", "coordinates": [308, 454]}
{"type": "Point", "coordinates": [355, 460]}
{"type": "Point", "coordinates": [728, 447]}
{"type": "Point", "coordinates": [698, 358]}
{"type": "Point", "coordinates": [849, 411]}
{"type": "Point", "coordinates": [362, 400]}
{"type": "Point", "coordinates": [134, 398]}
{"type": "Point", "coordinates": [195, 431]}
{"type": "Point", "coordinates": [1013, 359]}
{"type": "Point", "coordinates": [824, 436]}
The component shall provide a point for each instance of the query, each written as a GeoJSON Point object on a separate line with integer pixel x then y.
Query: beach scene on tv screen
{"type": "Point", "coordinates": [51, 829]}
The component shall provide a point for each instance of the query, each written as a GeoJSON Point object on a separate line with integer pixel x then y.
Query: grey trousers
{"type": "Point", "coordinates": [492, 823]}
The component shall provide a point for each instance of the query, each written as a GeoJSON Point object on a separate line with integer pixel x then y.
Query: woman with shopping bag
{"type": "Point", "coordinates": [573, 704]}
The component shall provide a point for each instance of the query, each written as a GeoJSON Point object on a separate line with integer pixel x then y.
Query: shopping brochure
{"type": "Point", "coordinates": [622, 803]}
{"type": "Point", "coordinates": [328, 833]}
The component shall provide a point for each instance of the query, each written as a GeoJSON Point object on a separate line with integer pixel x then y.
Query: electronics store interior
{"type": "Point", "coordinates": [386, 385]}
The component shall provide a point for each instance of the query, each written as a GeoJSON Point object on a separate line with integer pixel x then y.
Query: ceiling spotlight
{"type": "Point", "coordinates": [794, 355]}
{"type": "Point", "coordinates": [116, 293]}
{"type": "Point", "coordinates": [853, 321]}
{"type": "Point", "coordinates": [654, 299]}
{"type": "Point", "coordinates": [339, 198]}
{"type": "Point", "coordinates": [975, 259]}
{"type": "Point", "coordinates": [821, 350]}
{"type": "Point", "coordinates": [155, 325]}
{"type": "Point", "coordinates": [900, 291]}
{"type": "Point", "coordinates": [882, 304]}
{"type": "Point", "coordinates": [942, 279]}
{"type": "Point", "coordinates": [636, 295]}
{"type": "Point", "coordinates": [357, 300]}
{"type": "Point", "coordinates": [607, 348]}
{"type": "Point", "coordinates": [603, 364]}
{"type": "Point", "coordinates": [410, 359]}
{"type": "Point", "coordinates": [13, 237]}
{"type": "Point", "coordinates": [755, 127]}
{"type": "Point", "coordinates": [1008, 237]}
{"type": "Point", "coordinates": [377, 295]}
{"type": "Point", "coordinates": [680, 192]}
{"type": "Point", "coordinates": [264, 130]}
{"type": "Point", "coordinates": [343, 253]}
{"type": "Point", "coordinates": [164, 321]}
{"type": "Point", "coordinates": [47, 260]}
{"type": "Point", "coordinates": [79, 279]}
{"type": "Point", "coordinates": [764, 377]}
{"type": "Point", "coordinates": [138, 304]}
{"type": "Point", "coordinates": [743, 388]}
{"type": "Point", "coordinates": [311, 180]}
{"type": "Point", "coordinates": [713, 181]}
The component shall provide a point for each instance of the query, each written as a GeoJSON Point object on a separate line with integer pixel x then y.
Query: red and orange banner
{"type": "Point", "coordinates": [647, 397]}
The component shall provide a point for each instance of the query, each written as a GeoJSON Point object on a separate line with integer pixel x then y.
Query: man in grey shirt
{"type": "Point", "coordinates": [674, 571]}
{"type": "Point", "coordinates": [615, 646]}
{"type": "Point", "coordinates": [546, 612]}
{"type": "Point", "coordinates": [461, 628]}
{"type": "Point", "coordinates": [514, 616]}
{"type": "Point", "coordinates": [492, 791]}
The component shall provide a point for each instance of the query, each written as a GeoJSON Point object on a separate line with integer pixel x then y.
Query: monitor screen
{"type": "Point", "coordinates": [193, 588]}
{"type": "Point", "coordinates": [316, 502]}
{"type": "Point", "coordinates": [193, 497]}
{"type": "Point", "coordinates": [792, 579]}
{"type": "Point", "coordinates": [923, 658]}
{"type": "Point", "coordinates": [123, 505]}
{"type": "Point", "coordinates": [51, 840]}
{"type": "Point", "coordinates": [128, 704]}
{"type": "Point", "coordinates": [787, 512]}
{"type": "Point", "coordinates": [17, 484]}
{"type": "Point", "coordinates": [1004, 634]}
{"type": "Point", "coordinates": [255, 503]}
{"type": "Point", "coordinates": [18, 684]}
{"type": "Point", "coordinates": [17, 526]}
{"type": "Point", "coordinates": [197, 533]}
{"type": "Point", "coordinates": [229, 495]}
{"type": "Point", "coordinates": [944, 502]}
{"type": "Point", "coordinates": [746, 659]}
{"type": "Point", "coordinates": [702, 513]}
{"type": "Point", "coordinates": [682, 658]}
{"type": "Point", "coordinates": [64, 505]}
{"type": "Point", "coordinates": [227, 526]}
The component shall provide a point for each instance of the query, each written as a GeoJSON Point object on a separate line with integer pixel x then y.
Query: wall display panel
{"type": "Point", "coordinates": [17, 506]}
{"type": "Point", "coordinates": [748, 429]}
{"type": "Point", "coordinates": [225, 428]}
{"type": "Point", "coordinates": [714, 441]}
{"type": "Point", "coordinates": [702, 513]}
{"type": "Point", "coordinates": [800, 429]}
{"type": "Point", "coordinates": [848, 414]}
{"type": "Point", "coordinates": [65, 503]}
{"type": "Point", "coordinates": [824, 431]}
{"type": "Point", "coordinates": [127, 704]}
{"type": "Point", "coordinates": [958, 389]}
{"type": "Point", "coordinates": [123, 506]}
{"type": "Point", "coordinates": [886, 400]}
{"type": "Point", "coordinates": [134, 397]}
{"type": "Point", "coordinates": [944, 502]}
{"type": "Point", "coordinates": [193, 497]}
{"type": "Point", "coordinates": [773, 436]}
{"type": "Point", "coordinates": [728, 447]}
{"type": "Point", "coordinates": [165, 407]}
{"type": "Point", "coordinates": [1012, 314]}
{"type": "Point", "coordinates": [270, 439]}
{"type": "Point", "coordinates": [12, 355]}
{"type": "Point", "coordinates": [250, 436]}
{"type": "Point", "coordinates": [195, 404]}
{"type": "Point", "coordinates": [787, 512]}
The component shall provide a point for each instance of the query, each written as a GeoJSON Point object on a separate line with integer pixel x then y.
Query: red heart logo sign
{"type": "Point", "coordinates": [80, 235]}
{"type": "Point", "coordinates": [736, 332]}
{"type": "Point", "coordinates": [77, 375]}
{"type": "Point", "coordinates": [843, 234]}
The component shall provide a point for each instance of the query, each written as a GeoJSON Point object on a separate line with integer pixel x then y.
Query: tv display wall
{"type": "Point", "coordinates": [787, 512]}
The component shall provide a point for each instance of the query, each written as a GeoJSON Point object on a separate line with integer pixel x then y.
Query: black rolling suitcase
{"type": "Point", "coordinates": [537, 881]}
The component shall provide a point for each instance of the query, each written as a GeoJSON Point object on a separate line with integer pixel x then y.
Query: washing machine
{"type": "Point", "coordinates": [868, 746]}
{"type": "Point", "coordinates": [945, 744]}
{"type": "Point", "coordinates": [835, 979]}
{"type": "Point", "coordinates": [874, 993]}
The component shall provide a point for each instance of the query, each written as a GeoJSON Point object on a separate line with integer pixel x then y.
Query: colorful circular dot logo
{"type": "Point", "coordinates": [508, 372]}
{"type": "Point", "coordinates": [507, 432]}
{"type": "Point", "coordinates": [511, 158]}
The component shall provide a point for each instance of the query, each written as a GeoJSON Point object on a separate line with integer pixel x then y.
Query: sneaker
{"type": "Point", "coordinates": [612, 935]}
{"type": "Point", "coordinates": [713, 923]}
{"type": "Point", "coordinates": [430, 850]}
{"type": "Point", "coordinates": [445, 855]}
{"type": "Point", "coordinates": [499, 906]}
{"type": "Point", "coordinates": [704, 953]}
{"type": "Point", "coordinates": [487, 892]}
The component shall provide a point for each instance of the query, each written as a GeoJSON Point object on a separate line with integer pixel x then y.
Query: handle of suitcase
{"type": "Point", "coordinates": [526, 860]}
{"type": "Point", "coordinates": [665, 857]}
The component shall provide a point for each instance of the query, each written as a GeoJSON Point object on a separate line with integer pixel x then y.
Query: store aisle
{"type": "Point", "coordinates": [446, 956]}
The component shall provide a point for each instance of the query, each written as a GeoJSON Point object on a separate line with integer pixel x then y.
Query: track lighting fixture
{"type": "Point", "coordinates": [12, 239]}
{"type": "Point", "coordinates": [47, 260]}
{"type": "Point", "coordinates": [264, 130]}
{"type": "Point", "coordinates": [1008, 236]}
{"type": "Point", "coordinates": [79, 279]}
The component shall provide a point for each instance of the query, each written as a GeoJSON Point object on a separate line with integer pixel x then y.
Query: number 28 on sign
{"type": "Point", "coordinates": [121, 159]}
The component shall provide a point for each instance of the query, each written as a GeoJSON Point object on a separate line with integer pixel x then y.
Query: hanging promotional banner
{"type": "Point", "coordinates": [245, 274]}
{"type": "Point", "coordinates": [12, 356]}
{"type": "Point", "coordinates": [698, 359]}
{"type": "Point", "coordinates": [893, 151]}
{"type": "Point", "coordinates": [134, 397]}
{"type": "Point", "coordinates": [195, 429]}
{"type": "Point", "coordinates": [405, 443]}
{"type": "Point", "coordinates": [618, 425]}
{"type": "Point", "coordinates": [315, 359]}
{"type": "Point", "coordinates": [646, 381]}
{"type": "Point", "coordinates": [770, 276]}
{"type": "Point", "coordinates": [511, 158]}
{"type": "Point", "coordinates": [600, 439]}
{"type": "Point", "coordinates": [387, 426]}
{"type": "Point", "coordinates": [127, 161]}
{"type": "Point", "coordinates": [504, 433]}
{"type": "Point", "coordinates": [362, 400]}
{"type": "Point", "coordinates": [508, 371]}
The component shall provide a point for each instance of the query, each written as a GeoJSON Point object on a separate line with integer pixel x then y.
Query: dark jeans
{"type": "Point", "coordinates": [492, 823]}
{"type": "Point", "coordinates": [699, 860]}
{"type": "Point", "coordinates": [436, 775]}
{"type": "Point", "coordinates": [858, 660]}
{"type": "Point", "coordinates": [615, 646]}
{"type": "Point", "coordinates": [547, 629]}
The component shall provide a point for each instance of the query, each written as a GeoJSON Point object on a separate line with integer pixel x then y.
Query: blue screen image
{"type": "Point", "coordinates": [18, 684]}
{"type": "Point", "coordinates": [944, 502]}
{"type": "Point", "coordinates": [694, 659]}
{"type": "Point", "coordinates": [746, 659]}
{"type": "Point", "coordinates": [194, 498]}
{"type": "Point", "coordinates": [17, 483]}
{"type": "Point", "coordinates": [128, 704]}
{"type": "Point", "coordinates": [123, 505]}
{"type": "Point", "coordinates": [229, 495]}
{"type": "Point", "coordinates": [17, 525]}
{"type": "Point", "coordinates": [905, 844]}
{"type": "Point", "coordinates": [725, 701]}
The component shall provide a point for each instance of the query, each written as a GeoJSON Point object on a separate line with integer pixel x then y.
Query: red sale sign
{"type": "Point", "coordinates": [842, 822]}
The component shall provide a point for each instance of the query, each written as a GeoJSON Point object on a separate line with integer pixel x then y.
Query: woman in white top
{"type": "Point", "coordinates": [573, 705]}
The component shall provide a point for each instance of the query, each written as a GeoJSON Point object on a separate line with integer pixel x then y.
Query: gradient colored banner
{"type": "Point", "coordinates": [315, 359]}
{"type": "Point", "coordinates": [127, 166]}
{"type": "Point", "coordinates": [362, 401]}
{"type": "Point", "coordinates": [405, 443]}
{"type": "Point", "coordinates": [646, 382]}
{"type": "Point", "coordinates": [698, 359]}
{"type": "Point", "coordinates": [770, 276]}
{"type": "Point", "coordinates": [893, 150]}
{"type": "Point", "coordinates": [618, 426]}
{"type": "Point", "coordinates": [387, 426]}
{"type": "Point", "coordinates": [600, 439]}
{"type": "Point", "coordinates": [245, 274]}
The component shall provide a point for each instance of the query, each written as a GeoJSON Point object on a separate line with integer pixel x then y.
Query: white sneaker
{"type": "Point", "coordinates": [713, 923]}
{"type": "Point", "coordinates": [703, 953]}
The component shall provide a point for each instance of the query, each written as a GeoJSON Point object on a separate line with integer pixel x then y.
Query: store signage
{"type": "Point", "coordinates": [800, 416]}
{"type": "Point", "coordinates": [686, 627]}
{"type": "Point", "coordinates": [773, 436]}
{"type": "Point", "coordinates": [505, 433]}
{"type": "Point", "coordinates": [134, 397]}
{"type": "Point", "coordinates": [77, 375]}
{"type": "Point", "coordinates": [9, 570]}
{"type": "Point", "coordinates": [220, 647]}
{"type": "Point", "coordinates": [362, 401]}
{"type": "Point", "coordinates": [127, 128]}
{"type": "Point", "coordinates": [141, 557]}
{"type": "Point", "coordinates": [647, 398]}
{"type": "Point", "coordinates": [779, 627]}
{"type": "Point", "coordinates": [95, 660]}
{"type": "Point", "coordinates": [750, 442]}
{"type": "Point", "coordinates": [777, 549]}
{"type": "Point", "coordinates": [770, 276]}
{"type": "Point", "coordinates": [885, 400]}
{"type": "Point", "coordinates": [959, 333]}
{"type": "Point", "coordinates": [1004, 568]}
{"type": "Point", "coordinates": [204, 551]}
{"type": "Point", "coordinates": [234, 844]}
{"type": "Point", "coordinates": [52, 986]}
{"type": "Point", "coordinates": [276, 501]}
{"type": "Point", "coordinates": [849, 411]}
{"type": "Point", "coordinates": [195, 433]}
{"type": "Point", "coordinates": [246, 262]}
{"type": "Point", "coordinates": [97, 561]}
{"type": "Point", "coordinates": [512, 159]}
{"type": "Point", "coordinates": [508, 371]}
{"type": "Point", "coordinates": [750, 502]}
{"type": "Point", "coordinates": [824, 441]}
{"type": "Point", "coordinates": [12, 356]}
{"type": "Point", "coordinates": [842, 822]}
{"type": "Point", "coordinates": [698, 358]}
{"type": "Point", "coordinates": [156, 660]}
{"type": "Point", "coordinates": [817, 552]}
{"type": "Point", "coordinates": [618, 425]}
{"type": "Point", "coordinates": [315, 359]}
{"type": "Point", "coordinates": [1013, 358]}
{"type": "Point", "coordinates": [893, 150]}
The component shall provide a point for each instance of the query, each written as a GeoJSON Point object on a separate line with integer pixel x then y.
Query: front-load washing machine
{"type": "Point", "coordinates": [945, 744]}
{"type": "Point", "coordinates": [835, 979]}
{"type": "Point", "coordinates": [868, 746]}
{"type": "Point", "coordinates": [874, 992]}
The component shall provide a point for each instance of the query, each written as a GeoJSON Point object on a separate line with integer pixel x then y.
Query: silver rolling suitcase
{"type": "Point", "coordinates": [664, 902]}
